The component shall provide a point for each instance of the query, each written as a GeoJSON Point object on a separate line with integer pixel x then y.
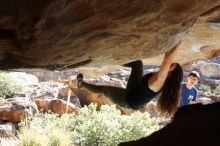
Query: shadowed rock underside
{"type": "Point", "coordinates": [98, 35]}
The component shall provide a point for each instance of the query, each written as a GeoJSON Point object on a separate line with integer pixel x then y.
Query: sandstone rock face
{"type": "Point", "coordinates": [211, 70]}
{"type": "Point", "coordinates": [56, 106]}
{"type": "Point", "coordinates": [100, 34]}
{"type": "Point", "coordinates": [207, 69]}
{"type": "Point", "coordinates": [52, 96]}
{"type": "Point", "coordinates": [16, 109]}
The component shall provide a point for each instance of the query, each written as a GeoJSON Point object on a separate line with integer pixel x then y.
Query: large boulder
{"type": "Point", "coordinates": [101, 34]}
{"type": "Point", "coordinates": [16, 109]}
{"type": "Point", "coordinates": [192, 125]}
{"type": "Point", "coordinates": [207, 69]}
{"type": "Point", "coordinates": [211, 70]}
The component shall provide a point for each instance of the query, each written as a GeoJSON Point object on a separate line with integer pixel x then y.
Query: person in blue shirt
{"type": "Point", "coordinates": [189, 91]}
{"type": "Point", "coordinates": [141, 89]}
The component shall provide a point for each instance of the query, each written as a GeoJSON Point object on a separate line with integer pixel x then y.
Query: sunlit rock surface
{"type": "Point", "coordinates": [16, 109]}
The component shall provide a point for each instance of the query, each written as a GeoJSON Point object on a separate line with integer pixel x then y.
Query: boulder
{"type": "Point", "coordinates": [58, 106]}
{"type": "Point", "coordinates": [7, 130]}
{"type": "Point", "coordinates": [192, 125]}
{"type": "Point", "coordinates": [61, 107]}
{"type": "Point", "coordinates": [16, 109]}
{"type": "Point", "coordinates": [99, 36]}
{"type": "Point", "coordinates": [207, 69]}
{"type": "Point", "coordinates": [211, 70]}
{"type": "Point", "coordinates": [24, 78]}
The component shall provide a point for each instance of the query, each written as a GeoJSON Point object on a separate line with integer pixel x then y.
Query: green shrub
{"type": "Point", "coordinates": [8, 87]}
{"type": "Point", "coordinates": [217, 90]}
{"type": "Point", "coordinates": [47, 130]}
{"type": "Point", "coordinates": [42, 137]}
{"type": "Point", "coordinates": [204, 88]}
{"type": "Point", "coordinates": [59, 137]}
{"type": "Point", "coordinates": [30, 137]}
{"type": "Point", "coordinates": [91, 127]}
{"type": "Point", "coordinates": [109, 127]}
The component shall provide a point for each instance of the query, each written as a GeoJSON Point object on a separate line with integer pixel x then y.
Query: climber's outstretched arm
{"type": "Point", "coordinates": [157, 80]}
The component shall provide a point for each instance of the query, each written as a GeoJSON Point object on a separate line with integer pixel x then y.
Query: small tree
{"type": "Point", "coordinates": [8, 87]}
{"type": "Point", "coordinates": [108, 127]}
{"type": "Point", "coordinates": [217, 90]}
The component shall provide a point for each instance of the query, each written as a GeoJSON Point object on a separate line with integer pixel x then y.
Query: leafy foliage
{"type": "Point", "coordinates": [217, 90]}
{"type": "Point", "coordinates": [8, 87]}
{"type": "Point", "coordinates": [90, 127]}
{"type": "Point", "coordinates": [204, 88]}
{"type": "Point", "coordinates": [30, 137]}
{"type": "Point", "coordinates": [209, 90]}
{"type": "Point", "coordinates": [109, 127]}
{"type": "Point", "coordinates": [46, 129]}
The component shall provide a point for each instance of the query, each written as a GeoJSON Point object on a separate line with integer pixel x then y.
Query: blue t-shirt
{"type": "Point", "coordinates": [187, 95]}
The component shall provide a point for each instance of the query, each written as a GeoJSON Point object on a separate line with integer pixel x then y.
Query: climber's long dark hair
{"type": "Point", "coordinates": [170, 98]}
